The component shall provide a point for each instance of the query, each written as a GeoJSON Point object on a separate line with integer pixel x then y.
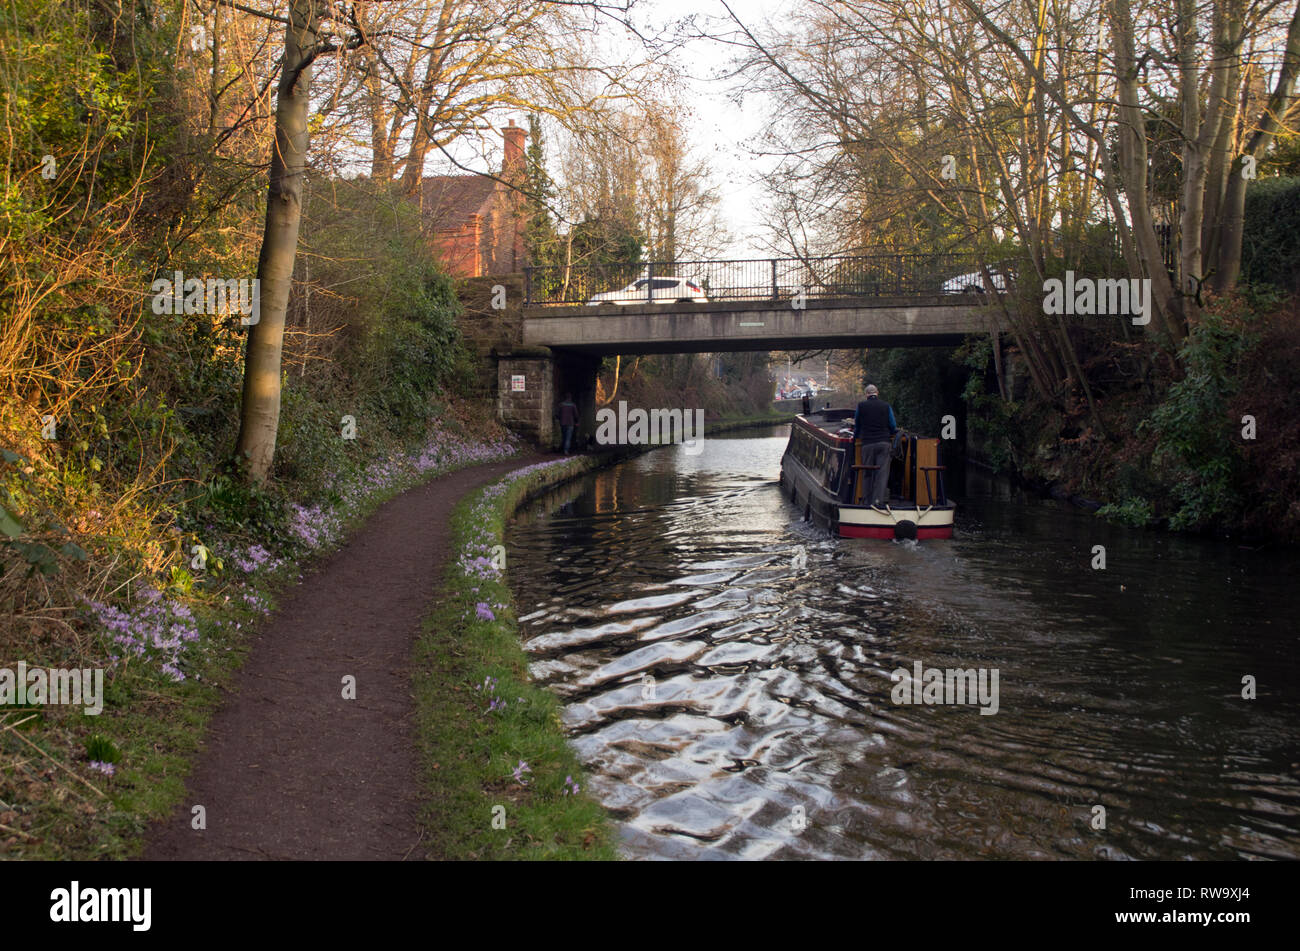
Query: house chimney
{"type": "Point", "coordinates": [514, 160]}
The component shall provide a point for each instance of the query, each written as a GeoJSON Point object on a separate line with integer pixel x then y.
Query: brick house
{"type": "Point", "coordinates": [474, 222]}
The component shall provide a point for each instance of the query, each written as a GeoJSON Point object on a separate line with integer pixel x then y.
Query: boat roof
{"type": "Point", "coordinates": [830, 422]}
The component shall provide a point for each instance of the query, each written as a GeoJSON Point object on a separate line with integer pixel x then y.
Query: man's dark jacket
{"type": "Point", "coordinates": [874, 421]}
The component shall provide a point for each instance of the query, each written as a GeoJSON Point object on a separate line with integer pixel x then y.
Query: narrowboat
{"type": "Point", "coordinates": [822, 471]}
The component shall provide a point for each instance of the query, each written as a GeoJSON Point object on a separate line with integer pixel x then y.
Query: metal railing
{"type": "Point", "coordinates": [769, 279]}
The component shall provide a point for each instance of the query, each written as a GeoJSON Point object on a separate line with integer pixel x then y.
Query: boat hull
{"type": "Point", "coordinates": [931, 524]}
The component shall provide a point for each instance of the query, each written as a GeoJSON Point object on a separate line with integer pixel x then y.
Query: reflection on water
{"type": "Point", "coordinates": [729, 704]}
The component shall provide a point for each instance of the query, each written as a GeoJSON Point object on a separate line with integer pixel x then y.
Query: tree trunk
{"type": "Point", "coordinates": [1200, 135]}
{"type": "Point", "coordinates": [998, 370]}
{"type": "Point", "coordinates": [1133, 161]}
{"type": "Point", "coordinates": [381, 139]}
{"type": "Point", "coordinates": [214, 81]}
{"type": "Point", "coordinates": [1216, 185]}
{"type": "Point", "coordinates": [260, 413]}
{"type": "Point", "coordinates": [1228, 266]}
{"type": "Point", "coordinates": [413, 173]}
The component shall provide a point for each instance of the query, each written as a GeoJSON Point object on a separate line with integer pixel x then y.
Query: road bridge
{"type": "Point", "coordinates": [842, 302]}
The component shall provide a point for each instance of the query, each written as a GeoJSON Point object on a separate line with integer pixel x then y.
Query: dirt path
{"type": "Point", "coordinates": [291, 770]}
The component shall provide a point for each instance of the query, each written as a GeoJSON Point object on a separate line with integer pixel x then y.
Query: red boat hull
{"type": "Point", "coordinates": [887, 531]}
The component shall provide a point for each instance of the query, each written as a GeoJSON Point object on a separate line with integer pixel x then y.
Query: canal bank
{"type": "Point", "coordinates": [500, 780]}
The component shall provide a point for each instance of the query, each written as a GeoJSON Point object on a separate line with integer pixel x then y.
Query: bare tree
{"type": "Point", "coordinates": [1259, 135]}
{"type": "Point", "coordinates": [462, 59]}
{"type": "Point", "coordinates": [1049, 124]}
{"type": "Point", "coordinates": [636, 172]}
{"type": "Point", "coordinates": [432, 74]}
{"type": "Point", "coordinates": [260, 414]}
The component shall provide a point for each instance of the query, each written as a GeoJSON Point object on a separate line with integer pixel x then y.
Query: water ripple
{"type": "Point", "coordinates": [728, 704]}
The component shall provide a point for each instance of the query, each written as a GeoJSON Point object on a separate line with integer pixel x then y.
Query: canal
{"type": "Point", "coordinates": [725, 670]}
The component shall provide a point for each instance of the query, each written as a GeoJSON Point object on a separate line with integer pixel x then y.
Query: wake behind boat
{"type": "Point", "coordinates": [822, 469]}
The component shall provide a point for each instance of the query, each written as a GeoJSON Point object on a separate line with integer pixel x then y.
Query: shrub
{"type": "Point", "coordinates": [1194, 428]}
{"type": "Point", "coordinates": [1269, 391]}
{"type": "Point", "coordinates": [1270, 241]}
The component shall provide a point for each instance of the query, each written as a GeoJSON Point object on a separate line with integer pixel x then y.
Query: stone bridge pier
{"type": "Point", "coordinates": [531, 382]}
{"type": "Point", "coordinates": [526, 382]}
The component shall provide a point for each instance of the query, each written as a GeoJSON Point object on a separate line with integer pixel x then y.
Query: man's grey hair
{"type": "Point", "coordinates": [871, 390]}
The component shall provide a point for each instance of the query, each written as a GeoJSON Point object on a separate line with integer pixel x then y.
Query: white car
{"type": "Point", "coordinates": [973, 283]}
{"type": "Point", "coordinates": [664, 290]}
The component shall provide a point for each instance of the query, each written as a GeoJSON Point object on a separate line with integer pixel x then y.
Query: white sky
{"type": "Point", "coordinates": [719, 126]}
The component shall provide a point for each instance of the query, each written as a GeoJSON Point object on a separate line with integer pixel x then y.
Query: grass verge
{"type": "Point", "coordinates": [728, 424]}
{"type": "Point", "coordinates": [502, 781]}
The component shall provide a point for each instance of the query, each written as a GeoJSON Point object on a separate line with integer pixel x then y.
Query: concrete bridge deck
{"type": "Point", "coordinates": [936, 320]}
